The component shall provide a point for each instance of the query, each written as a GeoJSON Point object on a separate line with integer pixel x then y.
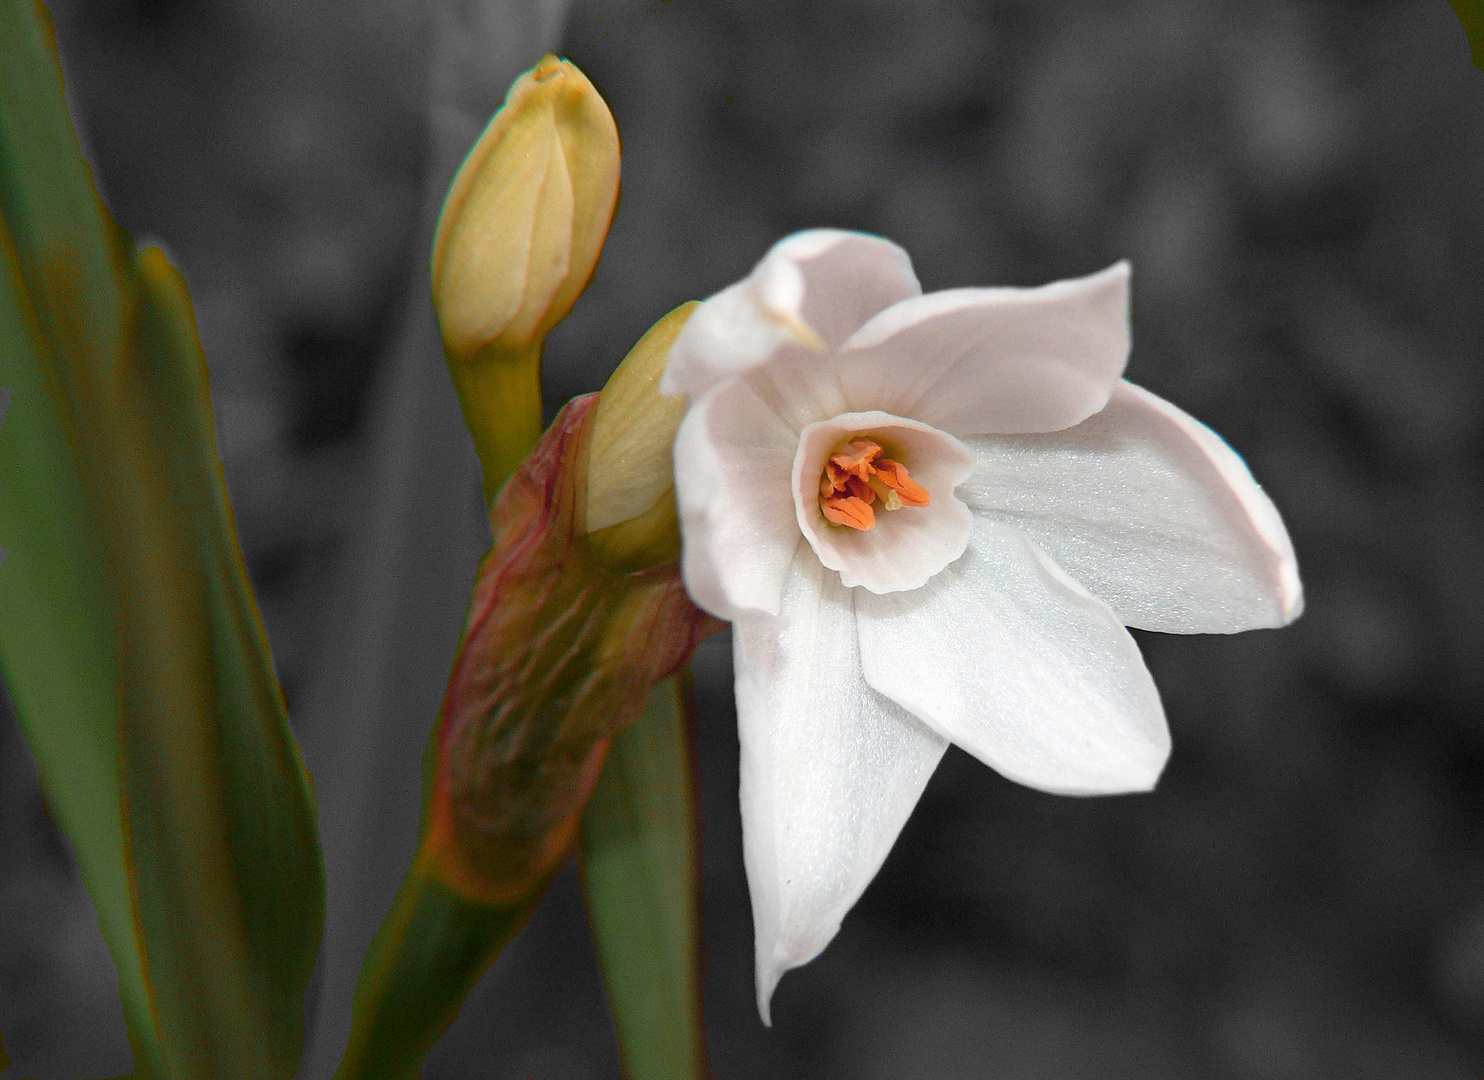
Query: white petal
{"type": "Point", "coordinates": [830, 770]}
{"type": "Point", "coordinates": [907, 546]}
{"type": "Point", "coordinates": [1014, 661]}
{"type": "Point", "coordinates": [848, 277]}
{"type": "Point", "coordinates": [733, 486]}
{"type": "Point", "coordinates": [1151, 511]}
{"type": "Point", "coordinates": [1002, 361]}
{"type": "Point", "coordinates": [809, 293]}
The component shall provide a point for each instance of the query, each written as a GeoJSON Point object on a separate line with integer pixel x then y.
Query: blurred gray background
{"type": "Point", "coordinates": [1300, 187]}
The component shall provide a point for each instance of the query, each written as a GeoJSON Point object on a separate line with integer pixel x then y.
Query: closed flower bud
{"type": "Point", "coordinates": [631, 520]}
{"type": "Point", "coordinates": [518, 239]}
{"type": "Point", "coordinates": [527, 214]}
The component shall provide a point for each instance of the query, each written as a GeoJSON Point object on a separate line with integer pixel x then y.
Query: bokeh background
{"type": "Point", "coordinates": [1300, 187]}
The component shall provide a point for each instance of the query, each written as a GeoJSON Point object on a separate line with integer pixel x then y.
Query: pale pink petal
{"type": "Point", "coordinates": [994, 361]}
{"type": "Point", "coordinates": [830, 769]}
{"type": "Point", "coordinates": [848, 277]}
{"type": "Point", "coordinates": [907, 546]}
{"type": "Point", "coordinates": [1008, 657]}
{"type": "Point", "coordinates": [809, 293]}
{"type": "Point", "coordinates": [733, 485]}
{"type": "Point", "coordinates": [799, 387]}
{"type": "Point", "coordinates": [1151, 511]}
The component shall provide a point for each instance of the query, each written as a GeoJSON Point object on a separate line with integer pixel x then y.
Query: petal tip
{"type": "Point", "coordinates": [1290, 589]}
{"type": "Point", "coordinates": [772, 961]}
{"type": "Point", "coordinates": [1137, 773]}
{"type": "Point", "coordinates": [767, 982]}
{"type": "Point", "coordinates": [1143, 776]}
{"type": "Point", "coordinates": [1115, 280]}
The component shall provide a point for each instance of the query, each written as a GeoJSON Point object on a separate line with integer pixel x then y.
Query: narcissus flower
{"type": "Point", "coordinates": [931, 518]}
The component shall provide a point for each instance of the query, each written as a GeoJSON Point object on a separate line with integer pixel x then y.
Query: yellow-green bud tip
{"type": "Point", "coordinates": [630, 515]}
{"type": "Point", "coordinates": [526, 216]}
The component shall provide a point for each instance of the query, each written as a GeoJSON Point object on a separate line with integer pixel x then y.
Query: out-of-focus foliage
{"type": "Point", "coordinates": [129, 639]}
{"type": "Point", "coordinates": [1297, 186]}
{"type": "Point", "coordinates": [1471, 14]}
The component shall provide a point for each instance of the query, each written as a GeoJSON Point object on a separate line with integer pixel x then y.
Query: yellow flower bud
{"type": "Point", "coordinates": [518, 239]}
{"type": "Point", "coordinates": [631, 519]}
{"type": "Point", "coordinates": [527, 214]}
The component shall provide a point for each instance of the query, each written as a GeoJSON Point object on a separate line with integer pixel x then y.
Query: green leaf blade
{"type": "Point", "coordinates": [1471, 14]}
{"type": "Point", "coordinates": [269, 850]}
{"type": "Point", "coordinates": [640, 874]}
{"type": "Point", "coordinates": [57, 647]}
{"type": "Point", "coordinates": [129, 637]}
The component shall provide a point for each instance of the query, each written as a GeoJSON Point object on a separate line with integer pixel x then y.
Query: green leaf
{"type": "Point", "coordinates": [57, 641]}
{"type": "Point", "coordinates": [225, 867]}
{"type": "Point", "coordinates": [639, 874]}
{"type": "Point", "coordinates": [1471, 14]}
{"type": "Point", "coordinates": [129, 637]}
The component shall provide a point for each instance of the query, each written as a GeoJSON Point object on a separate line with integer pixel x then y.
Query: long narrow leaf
{"type": "Point", "coordinates": [1471, 14]}
{"type": "Point", "coordinates": [57, 642]}
{"type": "Point", "coordinates": [128, 633]}
{"type": "Point", "coordinates": [639, 875]}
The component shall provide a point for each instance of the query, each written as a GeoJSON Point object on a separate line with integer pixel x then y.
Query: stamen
{"type": "Point", "coordinates": [894, 475]}
{"type": "Point", "coordinates": [857, 456]}
{"type": "Point", "coordinates": [849, 511]}
{"type": "Point", "coordinates": [855, 475]}
{"type": "Point", "coordinates": [860, 489]}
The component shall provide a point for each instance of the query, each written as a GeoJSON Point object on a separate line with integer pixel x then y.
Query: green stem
{"type": "Point", "coordinates": [426, 957]}
{"type": "Point", "coordinates": [500, 395]}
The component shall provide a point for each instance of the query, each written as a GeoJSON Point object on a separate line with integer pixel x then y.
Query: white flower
{"type": "Point", "coordinates": [1050, 504]}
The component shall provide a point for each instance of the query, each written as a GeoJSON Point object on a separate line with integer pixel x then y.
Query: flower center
{"type": "Point", "coordinates": [855, 476]}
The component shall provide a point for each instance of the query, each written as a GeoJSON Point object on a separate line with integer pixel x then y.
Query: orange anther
{"type": "Point", "coordinates": [855, 476]}
{"type": "Point", "coordinates": [857, 456]}
{"type": "Point", "coordinates": [860, 489]}
{"type": "Point", "coordinates": [894, 475]}
{"type": "Point", "coordinates": [834, 476]}
{"type": "Point", "coordinates": [850, 511]}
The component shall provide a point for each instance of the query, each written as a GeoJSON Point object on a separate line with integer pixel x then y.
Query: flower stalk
{"type": "Point", "coordinates": [562, 651]}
